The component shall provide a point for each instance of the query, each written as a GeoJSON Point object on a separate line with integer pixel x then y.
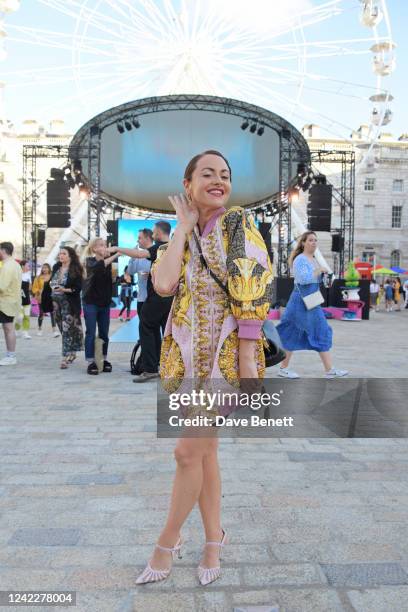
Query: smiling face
{"type": "Point", "coordinates": [210, 184]}
{"type": "Point", "coordinates": [310, 244]}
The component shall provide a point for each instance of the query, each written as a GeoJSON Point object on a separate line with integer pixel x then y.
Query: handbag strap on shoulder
{"type": "Point", "coordinates": [204, 263]}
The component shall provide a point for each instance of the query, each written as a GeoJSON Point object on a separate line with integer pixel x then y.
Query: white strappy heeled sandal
{"type": "Point", "coordinates": [150, 574]}
{"type": "Point", "coordinates": [209, 574]}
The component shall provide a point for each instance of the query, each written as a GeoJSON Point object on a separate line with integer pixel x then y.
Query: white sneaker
{"type": "Point", "coordinates": [56, 334]}
{"type": "Point", "coordinates": [334, 373]}
{"type": "Point", "coordinates": [27, 336]}
{"type": "Point", "coordinates": [8, 361]}
{"type": "Point", "coordinates": [39, 333]}
{"type": "Point", "coordinates": [286, 373]}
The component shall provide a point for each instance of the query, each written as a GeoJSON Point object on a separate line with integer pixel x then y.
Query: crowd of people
{"type": "Point", "coordinates": [203, 299]}
{"type": "Point", "coordinates": [392, 294]}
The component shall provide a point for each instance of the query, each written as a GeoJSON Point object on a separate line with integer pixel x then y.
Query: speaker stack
{"type": "Point", "coordinates": [319, 208]}
{"type": "Point", "coordinates": [58, 200]}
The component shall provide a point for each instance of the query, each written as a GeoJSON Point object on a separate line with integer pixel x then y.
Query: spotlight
{"type": "Point", "coordinates": [136, 123]}
{"type": "Point", "coordinates": [307, 183]}
{"type": "Point", "coordinates": [77, 166]}
{"type": "Point", "coordinates": [253, 127]}
{"type": "Point", "coordinates": [302, 169]}
{"type": "Point", "coordinates": [245, 124]}
{"type": "Point", "coordinates": [120, 127]}
{"type": "Point", "coordinates": [128, 125]}
{"type": "Point", "coordinates": [261, 130]}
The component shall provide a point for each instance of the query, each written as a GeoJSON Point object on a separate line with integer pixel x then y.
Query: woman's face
{"type": "Point", "coordinates": [100, 248]}
{"type": "Point", "coordinates": [26, 267]}
{"type": "Point", "coordinates": [210, 185]}
{"type": "Point", "coordinates": [310, 244]}
{"type": "Point", "coordinates": [45, 270]}
{"type": "Point", "coordinates": [64, 256]}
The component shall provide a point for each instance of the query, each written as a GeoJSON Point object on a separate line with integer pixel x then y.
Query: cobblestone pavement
{"type": "Point", "coordinates": [315, 524]}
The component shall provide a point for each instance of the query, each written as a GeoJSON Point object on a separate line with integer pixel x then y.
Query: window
{"type": "Point", "coordinates": [395, 259]}
{"type": "Point", "coordinates": [369, 219]}
{"type": "Point", "coordinates": [398, 185]}
{"type": "Point", "coordinates": [368, 256]}
{"type": "Point", "coordinates": [1, 211]}
{"type": "Point", "coordinates": [369, 184]}
{"type": "Point", "coordinates": [396, 216]}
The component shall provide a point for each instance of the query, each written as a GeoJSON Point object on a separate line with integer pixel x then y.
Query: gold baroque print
{"type": "Point", "coordinates": [228, 359]}
{"type": "Point", "coordinates": [171, 365]}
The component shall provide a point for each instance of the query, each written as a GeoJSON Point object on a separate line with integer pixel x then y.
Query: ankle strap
{"type": "Point", "coordinates": [174, 549]}
{"type": "Point", "coordinates": [222, 543]}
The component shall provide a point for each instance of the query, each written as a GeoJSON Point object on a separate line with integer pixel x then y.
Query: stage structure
{"type": "Point", "coordinates": [137, 153]}
{"type": "Point", "coordinates": [32, 192]}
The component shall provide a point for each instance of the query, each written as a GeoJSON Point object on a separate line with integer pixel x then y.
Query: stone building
{"type": "Point", "coordinates": [381, 204]}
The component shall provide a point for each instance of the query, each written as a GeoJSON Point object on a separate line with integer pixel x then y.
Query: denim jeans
{"type": "Point", "coordinates": [96, 315]}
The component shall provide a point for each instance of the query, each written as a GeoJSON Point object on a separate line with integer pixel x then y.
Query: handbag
{"type": "Point", "coordinates": [312, 300]}
{"type": "Point", "coordinates": [273, 352]}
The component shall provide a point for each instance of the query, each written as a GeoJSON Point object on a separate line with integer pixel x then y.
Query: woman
{"type": "Point", "coordinates": [209, 335]}
{"type": "Point", "coordinates": [96, 299]}
{"type": "Point", "coordinates": [42, 293]}
{"type": "Point", "coordinates": [66, 285]}
{"type": "Point", "coordinates": [301, 329]}
{"type": "Point", "coordinates": [397, 292]}
{"type": "Point", "coordinates": [23, 321]}
{"type": "Point", "coordinates": [126, 293]}
{"type": "Point", "coordinates": [389, 295]}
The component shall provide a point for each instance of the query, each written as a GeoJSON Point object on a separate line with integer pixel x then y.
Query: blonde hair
{"type": "Point", "coordinates": [90, 247]}
{"type": "Point", "coordinates": [300, 245]}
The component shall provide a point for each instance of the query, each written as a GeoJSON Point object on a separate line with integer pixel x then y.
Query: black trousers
{"type": "Point", "coordinates": [153, 319]}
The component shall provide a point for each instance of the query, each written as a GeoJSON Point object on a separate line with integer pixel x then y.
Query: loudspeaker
{"type": "Point", "coordinates": [58, 203]}
{"type": "Point", "coordinates": [265, 231]}
{"type": "Point", "coordinates": [112, 227]}
{"type": "Point", "coordinates": [319, 208]}
{"type": "Point", "coordinates": [283, 287]}
{"type": "Point", "coordinates": [40, 238]}
{"type": "Point", "coordinates": [337, 243]}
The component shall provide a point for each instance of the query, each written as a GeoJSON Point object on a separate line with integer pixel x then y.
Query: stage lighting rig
{"type": "Point", "coordinates": [260, 130]}
{"type": "Point", "coordinates": [136, 123]}
{"type": "Point", "coordinates": [128, 125]}
{"type": "Point", "coordinates": [244, 124]}
{"type": "Point", "coordinates": [253, 128]}
{"type": "Point", "coordinates": [120, 127]}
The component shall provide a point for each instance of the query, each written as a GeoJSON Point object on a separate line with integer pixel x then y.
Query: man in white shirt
{"type": "Point", "coordinates": [374, 290]}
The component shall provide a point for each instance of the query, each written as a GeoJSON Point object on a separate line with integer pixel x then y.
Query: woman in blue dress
{"type": "Point", "coordinates": [302, 329]}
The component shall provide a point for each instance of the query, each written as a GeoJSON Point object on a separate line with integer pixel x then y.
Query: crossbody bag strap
{"type": "Point", "coordinates": [204, 263]}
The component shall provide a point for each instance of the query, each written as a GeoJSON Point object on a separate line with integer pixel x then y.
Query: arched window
{"type": "Point", "coordinates": [395, 259]}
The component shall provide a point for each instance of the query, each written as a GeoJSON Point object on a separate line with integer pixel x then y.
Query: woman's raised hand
{"type": "Point", "coordinates": [187, 213]}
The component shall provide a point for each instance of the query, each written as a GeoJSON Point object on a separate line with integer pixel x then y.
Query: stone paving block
{"type": "Point", "coordinates": [161, 602]}
{"type": "Point", "coordinates": [295, 600]}
{"type": "Point", "coordinates": [311, 456]}
{"type": "Point", "coordinates": [44, 579]}
{"type": "Point", "coordinates": [257, 609]}
{"type": "Point", "coordinates": [45, 537]}
{"type": "Point", "coordinates": [101, 601]}
{"type": "Point", "coordinates": [91, 479]}
{"type": "Point", "coordinates": [102, 578]}
{"type": "Point", "coordinates": [277, 574]}
{"type": "Point", "coordinates": [333, 552]}
{"type": "Point", "coordinates": [364, 574]}
{"type": "Point", "coordinates": [384, 599]}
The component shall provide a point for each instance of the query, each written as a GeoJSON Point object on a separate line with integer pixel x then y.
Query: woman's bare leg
{"type": "Point", "coordinates": [285, 362]}
{"type": "Point", "coordinates": [187, 486]}
{"type": "Point", "coordinates": [326, 359]}
{"type": "Point", "coordinates": [210, 505]}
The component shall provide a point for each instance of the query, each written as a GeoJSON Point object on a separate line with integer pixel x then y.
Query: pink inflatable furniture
{"type": "Point", "coordinates": [274, 314]}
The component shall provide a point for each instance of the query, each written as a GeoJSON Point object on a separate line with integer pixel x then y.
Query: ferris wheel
{"type": "Point", "coordinates": [296, 59]}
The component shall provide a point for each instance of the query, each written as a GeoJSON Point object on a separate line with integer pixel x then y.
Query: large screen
{"type": "Point", "coordinates": [128, 231]}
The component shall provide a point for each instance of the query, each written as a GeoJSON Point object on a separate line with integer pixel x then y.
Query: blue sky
{"type": "Point", "coordinates": [102, 87]}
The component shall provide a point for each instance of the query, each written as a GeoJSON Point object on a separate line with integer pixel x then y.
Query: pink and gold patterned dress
{"type": "Point", "coordinates": [201, 339]}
